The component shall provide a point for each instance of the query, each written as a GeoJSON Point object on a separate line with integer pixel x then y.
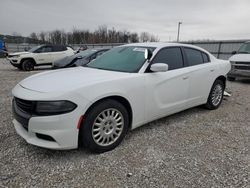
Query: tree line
{"type": "Point", "coordinates": [101, 35]}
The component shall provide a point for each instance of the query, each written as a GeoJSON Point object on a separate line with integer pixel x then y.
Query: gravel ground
{"type": "Point", "coordinates": [194, 148]}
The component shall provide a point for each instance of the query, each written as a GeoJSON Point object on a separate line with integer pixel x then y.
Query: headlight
{"type": "Point", "coordinates": [54, 107]}
{"type": "Point", "coordinates": [14, 56]}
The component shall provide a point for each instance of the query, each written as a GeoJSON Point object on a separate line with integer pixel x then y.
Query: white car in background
{"type": "Point", "coordinates": [39, 56]}
{"type": "Point", "coordinates": [123, 89]}
{"type": "Point", "coordinates": [240, 62]}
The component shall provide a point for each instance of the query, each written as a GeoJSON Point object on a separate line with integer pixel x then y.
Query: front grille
{"type": "Point", "coordinates": [18, 108]}
{"type": "Point", "coordinates": [242, 67]}
{"type": "Point", "coordinates": [25, 105]}
{"type": "Point", "coordinates": [243, 63]}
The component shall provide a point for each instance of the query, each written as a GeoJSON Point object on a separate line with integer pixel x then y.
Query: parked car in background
{"type": "Point", "coordinates": [82, 48]}
{"type": "Point", "coordinates": [3, 49]}
{"type": "Point", "coordinates": [79, 59]}
{"type": "Point", "coordinates": [123, 89]}
{"type": "Point", "coordinates": [39, 56]}
{"type": "Point", "coordinates": [240, 63]}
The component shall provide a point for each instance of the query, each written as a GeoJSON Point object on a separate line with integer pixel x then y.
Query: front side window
{"type": "Point", "coordinates": [171, 56]}
{"type": "Point", "coordinates": [123, 59]}
{"type": "Point", "coordinates": [194, 56]}
{"type": "Point", "coordinates": [44, 49]}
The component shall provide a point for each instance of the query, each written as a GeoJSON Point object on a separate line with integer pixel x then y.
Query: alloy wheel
{"type": "Point", "coordinates": [107, 127]}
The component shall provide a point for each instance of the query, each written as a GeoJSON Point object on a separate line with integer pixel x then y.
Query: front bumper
{"type": "Point", "coordinates": [239, 73]}
{"type": "Point", "coordinates": [14, 61]}
{"type": "Point", "coordinates": [53, 132]}
{"type": "Point", "coordinates": [63, 128]}
{"type": "Point", "coordinates": [240, 70]}
{"type": "Point", "coordinates": [59, 129]}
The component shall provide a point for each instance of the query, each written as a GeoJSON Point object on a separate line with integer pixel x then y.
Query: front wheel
{"type": "Point", "coordinates": [28, 65]}
{"type": "Point", "coordinates": [216, 95]}
{"type": "Point", "coordinates": [104, 126]}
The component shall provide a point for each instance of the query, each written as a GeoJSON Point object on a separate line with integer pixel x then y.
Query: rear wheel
{"type": "Point", "coordinates": [28, 65]}
{"type": "Point", "coordinates": [104, 126]}
{"type": "Point", "coordinates": [216, 95]}
{"type": "Point", "coordinates": [231, 78]}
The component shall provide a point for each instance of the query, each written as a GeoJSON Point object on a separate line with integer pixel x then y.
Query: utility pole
{"type": "Point", "coordinates": [178, 34]}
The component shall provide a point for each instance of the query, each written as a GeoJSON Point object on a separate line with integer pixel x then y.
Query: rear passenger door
{"type": "Point", "coordinates": [201, 75]}
{"type": "Point", "coordinates": [166, 92]}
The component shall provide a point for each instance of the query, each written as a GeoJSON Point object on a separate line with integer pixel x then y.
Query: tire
{"type": "Point", "coordinates": [229, 78]}
{"type": "Point", "coordinates": [104, 126]}
{"type": "Point", "coordinates": [216, 95]}
{"type": "Point", "coordinates": [28, 65]}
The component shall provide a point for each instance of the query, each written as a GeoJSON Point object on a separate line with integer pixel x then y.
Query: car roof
{"type": "Point", "coordinates": [164, 44]}
{"type": "Point", "coordinates": [159, 44]}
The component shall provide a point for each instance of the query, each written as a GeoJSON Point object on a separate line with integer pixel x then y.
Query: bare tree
{"type": "Point", "coordinates": [101, 35]}
{"type": "Point", "coordinates": [33, 36]}
{"type": "Point", "coordinates": [42, 36]}
{"type": "Point", "coordinates": [145, 37]}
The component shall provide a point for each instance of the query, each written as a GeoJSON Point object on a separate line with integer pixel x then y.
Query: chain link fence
{"type": "Point", "coordinates": [220, 49]}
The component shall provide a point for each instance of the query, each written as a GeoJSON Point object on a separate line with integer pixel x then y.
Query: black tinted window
{"type": "Point", "coordinates": [205, 58]}
{"type": "Point", "coordinates": [170, 56]}
{"type": "Point", "coordinates": [194, 57]}
{"type": "Point", "coordinates": [44, 49]}
{"type": "Point", "coordinates": [59, 48]}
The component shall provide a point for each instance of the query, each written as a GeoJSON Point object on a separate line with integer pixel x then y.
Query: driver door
{"type": "Point", "coordinates": [166, 92]}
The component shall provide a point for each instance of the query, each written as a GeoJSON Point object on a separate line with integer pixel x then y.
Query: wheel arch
{"type": "Point", "coordinates": [119, 99]}
{"type": "Point", "coordinates": [223, 79]}
{"type": "Point", "coordinates": [27, 58]}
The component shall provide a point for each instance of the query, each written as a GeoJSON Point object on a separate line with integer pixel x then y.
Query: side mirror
{"type": "Point", "coordinates": [147, 54]}
{"type": "Point", "coordinates": [159, 67]}
{"type": "Point", "coordinates": [234, 52]}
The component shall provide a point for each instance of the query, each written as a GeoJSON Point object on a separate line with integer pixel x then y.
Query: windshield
{"type": "Point", "coordinates": [34, 48]}
{"type": "Point", "coordinates": [244, 49]}
{"type": "Point", "coordinates": [123, 59]}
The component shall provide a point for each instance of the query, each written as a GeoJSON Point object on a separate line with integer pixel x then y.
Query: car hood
{"type": "Point", "coordinates": [68, 79]}
{"type": "Point", "coordinates": [18, 53]}
{"type": "Point", "coordinates": [240, 57]}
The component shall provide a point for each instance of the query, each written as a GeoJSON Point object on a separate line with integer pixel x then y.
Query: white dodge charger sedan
{"type": "Point", "coordinates": [128, 86]}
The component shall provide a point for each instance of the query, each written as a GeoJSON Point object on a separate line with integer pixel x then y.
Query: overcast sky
{"type": "Point", "coordinates": [202, 19]}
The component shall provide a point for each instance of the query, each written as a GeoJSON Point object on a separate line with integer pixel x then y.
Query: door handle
{"type": "Point", "coordinates": [211, 70]}
{"type": "Point", "coordinates": [185, 77]}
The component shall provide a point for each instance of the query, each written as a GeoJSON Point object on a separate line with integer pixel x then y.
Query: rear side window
{"type": "Point", "coordinates": [59, 48]}
{"type": "Point", "coordinates": [205, 57]}
{"type": "Point", "coordinates": [171, 56]}
{"type": "Point", "coordinates": [194, 57]}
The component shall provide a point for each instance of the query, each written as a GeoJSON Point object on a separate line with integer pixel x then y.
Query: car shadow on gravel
{"type": "Point", "coordinates": [243, 81]}
{"type": "Point", "coordinates": [44, 153]}
{"type": "Point", "coordinates": [169, 120]}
